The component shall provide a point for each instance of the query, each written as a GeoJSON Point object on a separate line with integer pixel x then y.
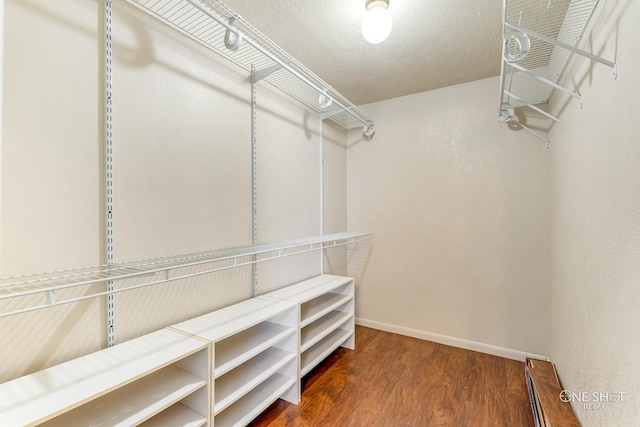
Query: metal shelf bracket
{"type": "Point", "coordinates": [257, 75]}
{"type": "Point", "coordinates": [539, 38]}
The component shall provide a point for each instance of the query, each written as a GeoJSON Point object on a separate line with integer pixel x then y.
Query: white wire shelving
{"type": "Point", "coordinates": [214, 25]}
{"type": "Point", "coordinates": [540, 36]}
{"type": "Point", "coordinates": [154, 271]}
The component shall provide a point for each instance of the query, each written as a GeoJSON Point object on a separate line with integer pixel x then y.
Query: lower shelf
{"type": "Point", "coordinates": [177, 415]}
{"type": "Point", "coordinates": [244, 345]}
{"type": "Point", "coordinates": [316, 331]}
{"type": "Point", "coordinates": [314, 355]}
{"type": "Point", "coordinates": [136, 402]}
{"type": "Point", "coordinates": [236, 383]}
{"type": "Point", "coordinates": [254, 402]}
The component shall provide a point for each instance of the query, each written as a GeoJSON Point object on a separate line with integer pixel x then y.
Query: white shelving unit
{"type": "Point", "coordinates": [223, 368]}
{"type": "Point", "coordinates": [158, 378]}
{"type": "Point", "coordinates": [327, 321]}
{"type": "Point", "coordinates": [255, 357]}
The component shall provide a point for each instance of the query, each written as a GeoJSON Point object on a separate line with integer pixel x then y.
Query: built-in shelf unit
{"type": "Point", "coordinates": [326, 310]}
{"type": "Point", "coordinates": [222, 368]}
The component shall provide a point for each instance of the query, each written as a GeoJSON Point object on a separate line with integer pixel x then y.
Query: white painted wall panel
{"type": "Point", "coordinates": [595, 199]}
{"type": "Point", "coordinates": [335, 195]}
{"type": "Point", "coordinates": [459, 208]}
{"type": "Point", "coordinates": [288, 170]}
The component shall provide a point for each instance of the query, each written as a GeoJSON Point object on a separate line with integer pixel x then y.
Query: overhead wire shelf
{"type": "Point", "coordinates": [156, 271]}
{"type": "Point", "coordinates": [216, 26]}
{"type": "Point", "coordinates": [540, 36]}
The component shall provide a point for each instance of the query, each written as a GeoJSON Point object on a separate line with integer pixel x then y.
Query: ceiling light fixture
{"type": "Point", "coordinates": [376, 24]}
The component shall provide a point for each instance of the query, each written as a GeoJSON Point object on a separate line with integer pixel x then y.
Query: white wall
{"type": "Point", "coordinates": [595, 200]}
{"type": "Point", "coordinates": [50, 174]}
{"type": "Point", "coordinates": [334, 162]}
{"type": "Point", "coordinates": [182, 172]}
{"type": "Point", "coordinates": [459, 208]}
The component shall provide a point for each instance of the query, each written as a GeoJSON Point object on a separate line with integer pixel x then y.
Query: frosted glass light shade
{"type": "Point", "coordinates": [376, 25]}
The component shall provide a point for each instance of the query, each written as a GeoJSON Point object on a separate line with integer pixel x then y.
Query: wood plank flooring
{"type": "Point", "coordinates": [392, 380]}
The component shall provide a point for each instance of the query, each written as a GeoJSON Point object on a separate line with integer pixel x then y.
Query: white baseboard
{"type": "Point", "coordinates": [452, 341]}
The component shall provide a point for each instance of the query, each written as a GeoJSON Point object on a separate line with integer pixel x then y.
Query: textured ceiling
{"type": "Point", "coordinates": [434, 43]}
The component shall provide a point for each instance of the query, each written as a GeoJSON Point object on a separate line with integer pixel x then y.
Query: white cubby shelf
{"type": "Point", "coordinates": [120, 386]}
{"type": "Point", "coordinates": [219, 369]}
{"type": "Point", "coordinates": [326, 311]}
{"type": "Point", "coordinates": [254, 357]}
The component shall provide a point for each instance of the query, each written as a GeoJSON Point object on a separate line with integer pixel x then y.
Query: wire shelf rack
{"type": "Point", "coordinates": [540, 36]}
{"type": "Point", "coordinates": [155, 271]}
{"type": "Point", "coordinates": [216, 26]}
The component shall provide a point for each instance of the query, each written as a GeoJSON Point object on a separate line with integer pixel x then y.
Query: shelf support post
{"type": "Point", "coordinates": [254, 179]}
{"type": "Point", "coordinates": [108, 172]}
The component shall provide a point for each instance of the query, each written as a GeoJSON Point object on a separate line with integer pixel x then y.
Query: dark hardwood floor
{"type": "Point", "coordinates": [392, 380]}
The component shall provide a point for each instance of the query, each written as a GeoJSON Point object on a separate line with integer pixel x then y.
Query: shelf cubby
{"type": "Point", "coordinates": [327, 321]}
{"type": "Point", "coordinates": [320, 306]}
{"type": "Point", "coordinates": [135, 402]}
{"type": "Point", "coordinates": [317, 353]}
{"type": "Point", "coordinates": [241, 380]}
{"type": "Point", "coordinates": [254, 347]}
{"type": "Point", "coordinates": [177, 415]}
{"type": "Point", "coordinates": [235, 350]}
{"type": "Point", "coordinates": [122, 385]}
{"type": "Point", "coordinates": [318, 330]}
{"type": "Point", "coordinates": [254, 402]}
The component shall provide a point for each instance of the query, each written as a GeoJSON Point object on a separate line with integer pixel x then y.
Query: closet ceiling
{"type": "Point", "coordinates": [434, 43]}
